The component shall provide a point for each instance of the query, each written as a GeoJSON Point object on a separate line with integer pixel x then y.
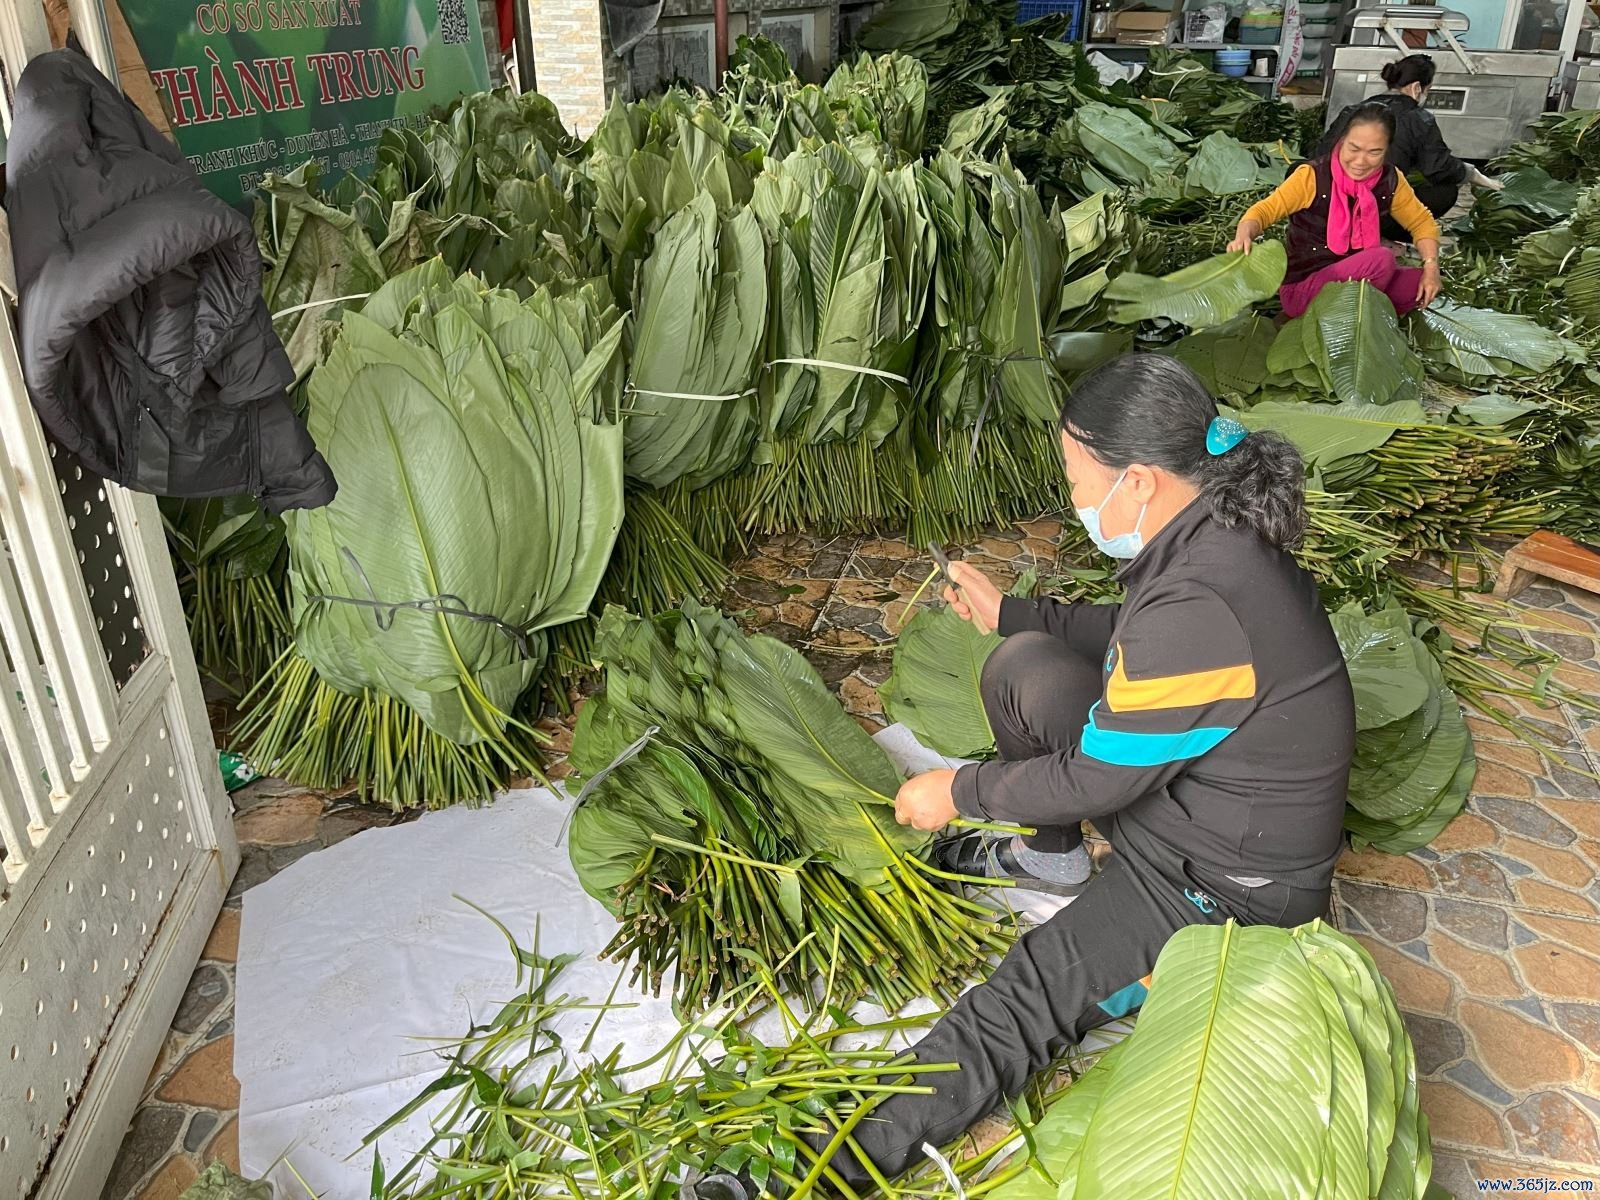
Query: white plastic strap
{"type": "Point", "coordinates": [639, 391]}
{"type": "Point", "coordinates": [319, 304]}
{"type": "Point", "coordinates": [839, 366]}
{"type": "Point", "coordinates": [946, 1170]}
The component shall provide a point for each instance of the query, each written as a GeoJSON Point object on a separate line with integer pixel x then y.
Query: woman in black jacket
{"type": "Point", "coordinates": [1418, 148]}
{"type": "Point", "coordinates": [1205, 725]}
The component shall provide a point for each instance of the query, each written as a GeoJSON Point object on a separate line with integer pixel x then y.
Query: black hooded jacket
{"type": "Point", "coordinates": [1418, 145]}
{"type": "Point", "coordinates": [146, 344]}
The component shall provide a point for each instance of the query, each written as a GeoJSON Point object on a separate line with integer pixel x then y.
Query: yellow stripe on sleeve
{"type": "Point", "coordinates": [1178, 691]}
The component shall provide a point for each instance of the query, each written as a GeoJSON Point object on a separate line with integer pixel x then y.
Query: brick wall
{"type": "Point", "coordinates": [569, 60]}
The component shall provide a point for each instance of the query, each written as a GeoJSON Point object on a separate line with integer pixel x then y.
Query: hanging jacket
{"type": "Point", "coordinates": [146, 344]}
{"type": "Point", "coordinates": [1418, 145]}
{"type": "Point", "coordinates": [1225, 730]}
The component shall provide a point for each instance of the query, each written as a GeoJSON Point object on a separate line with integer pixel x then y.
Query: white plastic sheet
{"type": "Point", "coordinates": [353, 960]}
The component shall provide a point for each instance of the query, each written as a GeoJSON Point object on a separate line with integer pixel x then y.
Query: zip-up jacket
{"type": "Point", "coordinates": [1226, 724]}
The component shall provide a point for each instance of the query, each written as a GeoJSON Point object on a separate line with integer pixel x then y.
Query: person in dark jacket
{"type": "Point", "coordinates": [1205, 725]}
{"type": "Point", "coordinates": [1335, 206]}
{"type": "Point", "coordinates": [1418, 148]}
{"type": "Point", "coordinates": [146, 344]}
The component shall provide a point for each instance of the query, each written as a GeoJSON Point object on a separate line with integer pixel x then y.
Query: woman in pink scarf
{"type": "Point", "coordinates": [1335, 207]}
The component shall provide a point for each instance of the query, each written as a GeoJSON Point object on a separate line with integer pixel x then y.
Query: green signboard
{"type": "Point", "coordinates": [259, 86]}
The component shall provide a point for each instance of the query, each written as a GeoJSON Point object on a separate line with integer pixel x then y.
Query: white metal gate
{"type": "Point", "coordinates": [118, 845]}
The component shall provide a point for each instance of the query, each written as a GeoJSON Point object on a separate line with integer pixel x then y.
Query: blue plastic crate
{"type": "Point", "coordinates": [1032, 10]}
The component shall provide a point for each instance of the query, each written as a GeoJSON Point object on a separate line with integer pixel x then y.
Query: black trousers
{"type": "Point", "coordinates": [1437, 198]}
{"type": "Point", "coordinates": [1087, 965]}
{"type": "Point", "coordinates": [1037, 691]}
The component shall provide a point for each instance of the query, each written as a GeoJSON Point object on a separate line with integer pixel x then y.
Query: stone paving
{"type": "Point", "coordinates": [1490, 936]}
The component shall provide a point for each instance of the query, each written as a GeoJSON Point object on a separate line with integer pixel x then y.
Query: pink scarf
{"type": "Point", "coordinates": [1352, 209]}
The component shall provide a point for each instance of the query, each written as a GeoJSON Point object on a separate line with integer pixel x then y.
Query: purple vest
{"type": "Point", "coordinates": [1308, 228]}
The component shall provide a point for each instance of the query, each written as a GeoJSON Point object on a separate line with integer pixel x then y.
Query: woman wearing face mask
{"type": "Point", "coordinates": [1205, 725]}
{"type": "Point", "coordinates": [1335, 206]}
{"type": "Point", "coordinates": [1418, 147]}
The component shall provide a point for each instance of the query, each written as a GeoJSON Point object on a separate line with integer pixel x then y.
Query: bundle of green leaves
{"type": "Point", "coordinates": [1565, 145]}
{"type": "Point", "coordinates": [755, 828]}
{"type": "Point", "coordinates": [477, 442]}
{"type": "Point", "coordinates": [1531, 201]}
{"type": "Point", "coordinates": [700, 327]}
{"type": "Point", "coordinates": [934, 683]}
{"type": "Point", "coordinates": [1266, 1063]}
{"type": "Point", "coordinates": [852, 249]}
{"type": "Point", "coordinates": [1414, 762]}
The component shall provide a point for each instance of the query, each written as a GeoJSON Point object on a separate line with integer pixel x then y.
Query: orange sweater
{"type": "Point", "coordinates": [1300, 189]}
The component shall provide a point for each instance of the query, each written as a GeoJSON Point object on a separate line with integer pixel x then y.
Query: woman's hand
{"type": "Point", "coordinates": [978, 600]}
{"type": "Point", "coordinates": [1428, 289]}
{"type": "Point", "coordinates": [924, 802]}
{"type": "Point", "coordinates": [1244, 237]}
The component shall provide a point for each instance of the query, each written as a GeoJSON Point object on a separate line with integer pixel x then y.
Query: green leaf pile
{"type": "Point", "coordinates": [1265, 1063]}
{"type": "Point", "coordinates": [1414, 764]}
{"type": "Point", "coordinates": [475, 440]}
{"type": "Point", "coordinates": [777, 810]}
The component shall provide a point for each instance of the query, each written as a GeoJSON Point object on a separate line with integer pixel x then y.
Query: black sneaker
{"type": "Point", "coordinates": [990, 856]}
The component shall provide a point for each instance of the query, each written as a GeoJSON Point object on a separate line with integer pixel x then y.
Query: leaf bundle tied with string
{"type": "Point", "coordinates": [476, 442]}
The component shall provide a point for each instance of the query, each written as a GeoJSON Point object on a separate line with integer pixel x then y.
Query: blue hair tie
{"type": "Point", "coordinates": [1223, 434]}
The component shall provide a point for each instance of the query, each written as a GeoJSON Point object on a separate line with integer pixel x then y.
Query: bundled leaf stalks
{"type": "Point", "coordinates": [476, 441]}
{"type": "Point", "coordinates": [733, 815]}
{"type": "Point", "coordinates": [1281, 1052]}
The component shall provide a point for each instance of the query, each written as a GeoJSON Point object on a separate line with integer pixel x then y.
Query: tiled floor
{"type": "Point", "coordinates": [1491, 936]}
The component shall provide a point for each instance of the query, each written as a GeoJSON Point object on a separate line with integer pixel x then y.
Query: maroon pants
{"type": "Point", "coordinates": [1376, 266]}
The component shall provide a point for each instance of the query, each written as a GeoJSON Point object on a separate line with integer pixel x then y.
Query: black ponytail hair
{"type": "Point", "coordinates": [1153, 410]}
{"type": "Point", "coordinates": [1413, 68]}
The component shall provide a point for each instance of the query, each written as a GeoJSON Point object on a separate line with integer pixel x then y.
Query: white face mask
{"type": "Point", "coordinates": [1124, 545]}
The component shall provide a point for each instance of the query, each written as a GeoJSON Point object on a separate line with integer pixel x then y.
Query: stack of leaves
{"type": "Point", "coordinates": [1207, 294]}
{"type": "Point", "coordinates": [1414, 764]}
{"type": "Point", "coordinates": [1530, 201]}
{"type": "Point", "coordinates": [479, 454]}
{"type": "Point", "coordinates": [701, 322]}
{"type": "Point", "coordinates": [934, 684]}
{"type": "Point", "coordinates": [1564, 145]}
{"type": "Point", "coordinates": [735, 819]}
{"type": "Point", "coordinates": [1201, 101]}
{"type": "Point", "coordinates": [852, 251]}
{"type": "Point", "coordinates": [1266, 1063]}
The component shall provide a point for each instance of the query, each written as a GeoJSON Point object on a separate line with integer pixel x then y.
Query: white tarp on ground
{"type": "Point", "coordinates": [353, 958]}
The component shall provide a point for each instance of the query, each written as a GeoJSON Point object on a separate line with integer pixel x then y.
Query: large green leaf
{"type": "Point", "coordinates": [1354, 339]}
{"type": "Point", "coordinates": [1326, 432]}
{"type": "Point", "coordinates": [1225, 1086]}
{"type": "Point", "coordinates": [1123, 143]}
{"type": "Point", "coordinates": [1231, 359]}
{"type": "Point", "coordinates": [1059, 1134]}
{"type": "Point", "coordinates": [1208, 293]}
{"type": "Point", "coordinates": [934, 686]}
{"type": "Point", "coordinates": [1225, 166]}
{"type": "Point", "coordinates": [1378, 651]}
{"type": "Point", "coordinates": [1465, 336]}
{"type": "Point", "coordinates": [1266, 1063]}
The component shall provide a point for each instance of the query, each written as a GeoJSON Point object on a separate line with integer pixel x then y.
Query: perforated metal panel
{"type": "Point", "coordinates": [91, 921]}
{"type": "Point", "coordinates": [105, 569]}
